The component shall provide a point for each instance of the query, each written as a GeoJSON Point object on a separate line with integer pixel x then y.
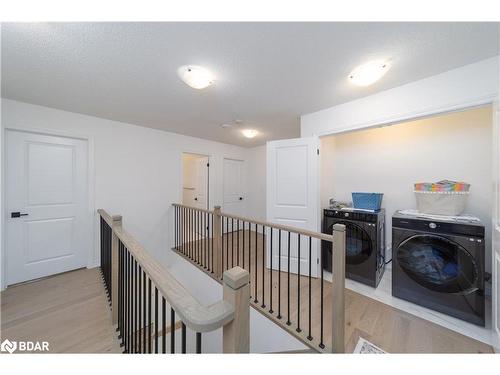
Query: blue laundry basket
{"type": "Point", "coordinates": [367, 201]}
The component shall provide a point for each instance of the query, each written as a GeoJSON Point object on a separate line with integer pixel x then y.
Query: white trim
{"type": "Point", "coordinates": [412, 116]}
{"type": "Point", "coordinates": [92, 256]}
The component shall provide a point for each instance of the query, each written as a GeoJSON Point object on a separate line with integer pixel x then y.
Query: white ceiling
{"type": "Point", "coordinates": [268, 74]}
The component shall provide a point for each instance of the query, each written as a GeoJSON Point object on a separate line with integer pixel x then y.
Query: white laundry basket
{"type": "Point", "coordinates": [450, 203]}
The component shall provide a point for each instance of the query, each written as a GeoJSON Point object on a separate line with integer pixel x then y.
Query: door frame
{"type": "Point", "coordinates": [209, 180]}
{"type": "Point", "coordinates": [93, 251]}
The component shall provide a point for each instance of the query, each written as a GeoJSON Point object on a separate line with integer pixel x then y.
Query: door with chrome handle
{"type": "Point", "coordinates": [17, 214]}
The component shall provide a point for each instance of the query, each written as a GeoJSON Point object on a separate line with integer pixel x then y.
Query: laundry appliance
{"type": "Point", "coordinates": [439, 263]}
{"type": "Point", "coordinates": [365, 243]}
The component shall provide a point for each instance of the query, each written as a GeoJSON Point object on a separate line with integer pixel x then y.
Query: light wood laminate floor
{"type": "Point", "coordinates": [68, 310]}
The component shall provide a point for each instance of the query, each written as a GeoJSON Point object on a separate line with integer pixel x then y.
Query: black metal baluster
{"type": "Point", "coordinates": [188, 233]}
{"type": "Point", "coordinates": [124, 295]}
{"type": "Point", "coordinates": [222, 240]}
{"type": "Point", "coordinates": [288, 322]}
{"type": "Point", "coordinates": [198, 236]}
{"type": "Point", "coordinates": [263, 266]}
{"type": "Point", "coordinates": [309, 336]}
{"type": "Point", "coordinates": [232, 242]}
{"type": "Point", "coordinates": [243, 247]}
{"type": "Point", "coordinates": [139, 313]}
{"type": "Point", "coordinates": [164, 325]}
{"type": "Point", "coordinates": [321, 344]}
{"type": "Point", "coordinates": [256, 263]}
{"type": "Point", "coordinates": [227, 244]}
{"type": "Point", "coordinates": [238, 243]}
{"type": "Point", "coordinates": [184, 250]}
{"type": "Point", "coordinates": [271, 271]}
{"type": "Point", "coordinates": [183, 339]}
{"type": "Point", "coordinates": [196, 242]}
{"type": "Point", "coordinates": [172, 331]}
{"type": "Point", "coordinates": [135, 306]}
{"type": "Point", "coordinates": [144, 312]}
{"type": "Point", "coordinates": [149, 317]}
{"type": "Point", "coordinates": [131, 306]}
{"type": "Point", "coordinates": [127, 316]}
{"type": "Point", "coordinates": [156, 320]}
{"type": "Point", "coordinates": [279, 274]}
{"type": "Point", "coordinates": [205, 240]}
{"type": "Point", "coordinates": [212, 229]}
{"type": "Point", "coordinates": [191, 230]}
{"type": "Point", "coordinates": [120, 293]}
{"type": "Point", "coordinates": [298, 283]}
{"type": "Point", "coordinates": [198, 342]}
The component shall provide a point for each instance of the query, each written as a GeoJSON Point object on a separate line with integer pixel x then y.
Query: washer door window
{"type": "Point", "coordinates": [358, 243]}
{"type": "Point", "coordinates": [438, 264]}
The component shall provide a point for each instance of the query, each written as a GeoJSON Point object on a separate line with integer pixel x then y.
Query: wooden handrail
{"type": "Point", "coordinates": [193, 208]}
{"type": "Point", "coordinates": [196, 316]}
{"type": "Point", "coordinates": [305, 232]}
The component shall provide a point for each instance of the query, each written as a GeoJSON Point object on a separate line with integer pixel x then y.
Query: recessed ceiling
{"type": "Point", "coordinates": [267, 74]}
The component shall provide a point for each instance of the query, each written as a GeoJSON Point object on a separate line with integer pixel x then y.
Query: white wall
{"type": "Point", "coordinates": [138, 174]}
{"type": "Point", "coordinates": [456, 89]}
{"type": "Point", "coordinates": [389, 160]}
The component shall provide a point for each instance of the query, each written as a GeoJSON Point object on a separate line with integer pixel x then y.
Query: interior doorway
{"type": "Point", "coordinates": [47, 206]}
{"type": "Point", "coordinates": [195, 180]}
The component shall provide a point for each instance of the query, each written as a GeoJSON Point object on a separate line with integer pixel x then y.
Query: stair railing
{"type": "Point", "coordinates": [288, 283]}
{"type": "Point", "coordinates": [139, 290]}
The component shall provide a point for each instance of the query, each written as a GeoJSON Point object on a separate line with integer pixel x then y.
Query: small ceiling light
{"type": "Point", "coordinates": [196, 76]}
{"type": "Point", "coordinates": [249, 133]}
{"type": "Point", "coordinates": [371, 72]}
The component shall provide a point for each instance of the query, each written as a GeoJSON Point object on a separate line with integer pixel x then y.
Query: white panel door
{"type": "Point", "coordinates": [293, 199]}
{"type": "Point", "coordinates": [495, 261]}
{"type": "Point", "coordinates": [46, 185]}
{"type": "Point", "coordinates": [234, 188]}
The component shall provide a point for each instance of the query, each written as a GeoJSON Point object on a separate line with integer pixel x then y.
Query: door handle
{"type": "Point", "coordinates": [241, 198]}
{"type": "Point", "coordinates": [195, 199]}
{"type": "Point", "coordinates": [17, 214]}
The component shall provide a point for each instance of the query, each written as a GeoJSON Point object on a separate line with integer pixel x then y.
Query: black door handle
{"type": "Point", "coordinates": [17, 214]}
{"type": "Point", "coordinates": [241, 198]}
{"type": "Point", "coordinates": [195, 199]}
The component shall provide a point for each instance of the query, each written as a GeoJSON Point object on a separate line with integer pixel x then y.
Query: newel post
{"type": "Point", "coordinates": [236, 334]}
{"type": "Point", "coordinates": [338, 288]}
{"type": "Point", "coordinates": [217, 250]}
{"type": "Point", "coordinates": [117, 222]}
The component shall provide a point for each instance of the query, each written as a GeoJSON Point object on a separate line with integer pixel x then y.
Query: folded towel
{"type": "Point", "coordinates": [442, 186]}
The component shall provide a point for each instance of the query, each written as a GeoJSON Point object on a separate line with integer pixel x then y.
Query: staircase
{"type": "Point", "coordinates": [149, 306]}
{"type": "Point", "coordinates": [303, 303]}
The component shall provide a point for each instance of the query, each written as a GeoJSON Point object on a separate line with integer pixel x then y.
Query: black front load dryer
{"type": "Point", "coordinates": [439, 264]}
{"type": "Point", "coordinates": [365, 243]}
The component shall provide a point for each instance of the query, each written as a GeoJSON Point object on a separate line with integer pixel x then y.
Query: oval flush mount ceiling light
{"type": "Point", "coordinates": [196, 76]}
{"type": "Point", "coordinates": [369, 73]}
{"type": "Point", "coordinates": [250, 133]}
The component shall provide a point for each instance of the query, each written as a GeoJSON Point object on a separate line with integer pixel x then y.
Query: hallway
{"type": "Point", "coordinates": [69, 310]}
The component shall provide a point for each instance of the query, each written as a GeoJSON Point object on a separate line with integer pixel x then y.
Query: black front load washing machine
{"type": "Point", "coordinates": [439, 264]}
{"type": "Point", "coordinates": [365, 243]}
